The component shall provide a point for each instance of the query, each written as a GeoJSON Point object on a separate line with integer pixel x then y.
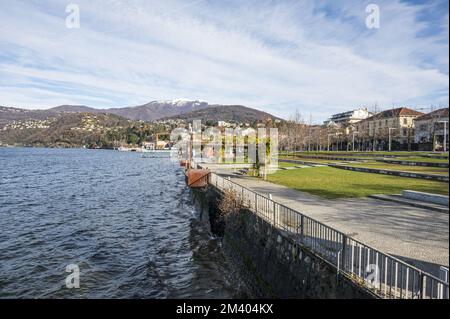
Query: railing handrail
{"type": "Point", "coordinates": [392, 258]}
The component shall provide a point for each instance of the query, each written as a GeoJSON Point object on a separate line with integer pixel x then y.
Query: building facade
{"type": "Point", "coordinates": [396, 125]}
{"type": "Point", "coordinates": [430, 128]}
{"type": "Point", "coordinates": [351, 117]}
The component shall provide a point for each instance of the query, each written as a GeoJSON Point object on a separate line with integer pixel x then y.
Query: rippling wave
{"type": "Point", "coordinates": [126, 221]}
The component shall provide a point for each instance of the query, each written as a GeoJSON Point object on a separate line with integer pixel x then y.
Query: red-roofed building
{"type": "Point", "coordinates": [397, 123]}
{"type": "Point", "coordinates": [429, 130]}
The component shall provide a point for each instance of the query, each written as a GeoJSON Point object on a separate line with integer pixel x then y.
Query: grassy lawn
{"type": "Point", "coordinates": [331, 182]}
{"type": "Point", "coordinates": [377, 153]}
{"type": "Point", "coordinates": [400, 158]}
{"type": "Point", "coordinates": [283, 164]}
{"type": "Point", "coordinates": [372, 163]}
{"type": "Point", "coordinates": [315, 160]}
{"type": "Point", "coordinates": [324, 157]}
{"type": "Point", "coordinates": [404, 153]}
{"type": "Point", "coordinates": [404, 168]}
{"type": "Point", "coordinates": [341, 157]}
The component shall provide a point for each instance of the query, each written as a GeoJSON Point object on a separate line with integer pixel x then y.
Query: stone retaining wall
{"type": "Point", "coordinates": [270, 263]}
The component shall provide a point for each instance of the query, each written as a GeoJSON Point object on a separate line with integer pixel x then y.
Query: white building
{"type": "Point", "coordinates": [223, 124]}
{"type": "Point", "coordinates": [350, 117]}
{"type": "Point", "coordinates": [429, 128]}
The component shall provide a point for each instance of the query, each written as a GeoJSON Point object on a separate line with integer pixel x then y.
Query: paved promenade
{"type": "Point", "coordinates": [417, 236]}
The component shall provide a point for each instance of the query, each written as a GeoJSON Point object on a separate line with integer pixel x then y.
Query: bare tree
{"type": "Point", "coordinates": [375, 109]}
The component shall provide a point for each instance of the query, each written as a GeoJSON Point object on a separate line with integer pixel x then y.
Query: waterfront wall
{"type": "Point", "coordinates": [270, 262]}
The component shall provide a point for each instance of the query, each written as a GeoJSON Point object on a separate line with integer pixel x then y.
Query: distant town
{"type": "Point", "coordinates": [401, 129]}
{"type": "Point", "coordinates": [396, 129]}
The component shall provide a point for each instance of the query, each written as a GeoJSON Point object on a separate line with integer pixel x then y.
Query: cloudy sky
{"type": "Point", "coordinates": [318, 57]}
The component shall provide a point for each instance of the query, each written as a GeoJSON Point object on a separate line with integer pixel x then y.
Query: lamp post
{"type": "Point", "coordinates": [445, 134]}
{"type": "Point", "coordinates": [390, 141]}
{"type": "Point", "coordinates": [353, 141]}
{"type": "Point", "coordinates": [329, 141]}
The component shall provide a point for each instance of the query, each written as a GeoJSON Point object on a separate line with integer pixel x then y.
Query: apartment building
{"type": "Point", "coordinates": [345, 119]}
{"type": "Point", "coordinates": [397, 123]}
{"type": "Point", "coordinates": [430, 128]}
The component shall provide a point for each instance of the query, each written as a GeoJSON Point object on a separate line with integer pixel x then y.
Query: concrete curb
{"type": "Point", "coordinates": [389, 198]}
{"type": "Point", "coordinates": [410, 163]}
{"type": "Point", "coordinates": [439, 178]}
{"type": "Point", "coordinates": [435, 199]}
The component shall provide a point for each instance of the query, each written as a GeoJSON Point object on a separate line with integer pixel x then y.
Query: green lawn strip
{"type": "Point", "coordinates": [332, 183]}
{"type": "Point", "coordinates": [312, 160]}
{"type": "Point", "coordinates": [403, 168]}
{"type": "Point", "coordinates": [341, 158]}
{"type": "Point", "coordinates": [403, 153]}
{"type": "Point", "coordinates": [283, 164]}
{"type": "Point", "coordinates": [375, 154]}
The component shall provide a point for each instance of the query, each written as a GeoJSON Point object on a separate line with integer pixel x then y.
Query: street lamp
{"type": "Point", "coordinates": [329, 141]}
{"type": "Point", "coordinates": [445, 134]}
{"type": "Point", "coordinates": [353, 141]}
{"type": "Point", "coordinates": [390, 128]}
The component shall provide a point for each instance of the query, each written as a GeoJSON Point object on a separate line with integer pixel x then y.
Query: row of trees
{"type": "Point", "coordinates": [298, 135]}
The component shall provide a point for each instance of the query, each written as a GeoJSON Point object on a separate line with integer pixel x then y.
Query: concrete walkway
{"type": "Point", "coordinates": [415, 235]}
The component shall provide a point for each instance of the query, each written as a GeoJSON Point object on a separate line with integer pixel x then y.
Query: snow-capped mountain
{"type": "Point", "coordinates": [155, 110]}
{"type": "Point", "coordinates": [181, 103]}
{"type": "Point", "coordinates": [148, 112]}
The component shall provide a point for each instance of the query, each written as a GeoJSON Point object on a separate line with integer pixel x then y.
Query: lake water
{"type": "Point", "coordinates": [126, 221]}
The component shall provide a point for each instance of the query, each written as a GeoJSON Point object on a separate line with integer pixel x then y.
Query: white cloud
{"type": "Point", "coordinates": [275, 57]}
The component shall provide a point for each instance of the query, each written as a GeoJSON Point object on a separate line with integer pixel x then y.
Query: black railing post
{"type": "Point", "coordinates": [421, 285]}
{"type": "Point", "coordinates": [344, 249]}
{"type": "Point", "coordinates": [302, 228]}
{"type": "Point", "coordinates": [274, 215]}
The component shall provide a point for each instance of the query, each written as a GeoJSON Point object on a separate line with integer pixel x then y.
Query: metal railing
{"type": "Point", "coordinates": [386, 276]}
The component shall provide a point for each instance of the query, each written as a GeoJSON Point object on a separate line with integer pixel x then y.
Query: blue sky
{"type": "Point", "coordinates": [317, 57]}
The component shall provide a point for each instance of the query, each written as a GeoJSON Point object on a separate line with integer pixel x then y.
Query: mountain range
{"type": "Point", "coordinates": [155, 110]}
{"type": "Point", "coordinates": [228, 113]}
{"type": "Point", "coordinates": [79, 125]}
